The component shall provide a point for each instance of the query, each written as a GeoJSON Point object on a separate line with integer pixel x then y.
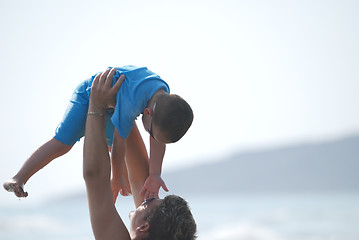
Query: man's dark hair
{"type": "Point", "coordinates": [173, 116]}
{"type": "Point", "coordinates": [172, 220]}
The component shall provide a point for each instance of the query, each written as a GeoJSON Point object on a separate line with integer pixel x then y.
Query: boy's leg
{"type": "Point", "coordinates": [124, 174]}
{"type": "Point", "coordinates": [137, 164]}
{"type": "Point", "coordinates": [71, 128]}
{"type": "Point", "coordinates": [39, 159]}
{"type": "Point", "coordinates": [125, 177]}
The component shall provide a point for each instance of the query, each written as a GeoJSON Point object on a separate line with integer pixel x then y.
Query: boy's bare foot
{"type": "Point", "coordinates": [13, 186]}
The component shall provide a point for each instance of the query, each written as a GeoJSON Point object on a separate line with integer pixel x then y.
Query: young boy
{"type": "Point", "coordinates": [166, 117]}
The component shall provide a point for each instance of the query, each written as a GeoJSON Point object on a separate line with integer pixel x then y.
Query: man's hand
{"type": "Point", "coordinates": [102, 94]}
{"type": "Point", "coordinates": [152, 186]}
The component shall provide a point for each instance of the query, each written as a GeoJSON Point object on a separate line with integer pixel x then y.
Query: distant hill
{"type": "Point", "coordinates": [326, 166]}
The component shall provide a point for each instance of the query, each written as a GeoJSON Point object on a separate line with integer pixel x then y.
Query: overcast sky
{"type": "Point", "coordinates": [256, 73]}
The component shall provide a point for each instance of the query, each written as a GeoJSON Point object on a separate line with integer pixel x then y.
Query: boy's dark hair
{"type": "Point", "coordinates": [172, 220]}
{"type": "Point", "coordinates": [173, 116]}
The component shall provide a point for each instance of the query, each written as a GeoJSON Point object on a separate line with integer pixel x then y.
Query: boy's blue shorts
{"type": "Point", "coordinates": [72, 127]}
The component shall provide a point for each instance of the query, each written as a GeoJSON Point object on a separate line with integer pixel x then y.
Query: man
{"type": "Point", "coordinates": [168, 218]}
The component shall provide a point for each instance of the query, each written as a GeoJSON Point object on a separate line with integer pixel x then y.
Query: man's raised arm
{"type": "Point", "coordinates": [105, 221]}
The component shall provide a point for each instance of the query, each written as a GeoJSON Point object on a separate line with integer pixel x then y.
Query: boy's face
{"type": "Point", "coordinates": [147, 121]}
{"type": "Point", "coordinates": [151, 128]}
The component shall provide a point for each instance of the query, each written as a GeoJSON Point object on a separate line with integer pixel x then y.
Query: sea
{"type": "Point", "coordinates": [265, 216]}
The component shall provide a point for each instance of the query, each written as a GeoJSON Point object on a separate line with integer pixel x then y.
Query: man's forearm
{"type": "Point", "coordinates": [96, 162]}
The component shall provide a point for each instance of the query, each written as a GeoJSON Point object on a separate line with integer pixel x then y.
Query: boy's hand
{"type": "Point", "coordinates": [152, 186]}
{"type": "Point", "coordinates": [119, 185]}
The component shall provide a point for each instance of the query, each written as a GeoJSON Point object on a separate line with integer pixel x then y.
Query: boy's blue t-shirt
{"type": "Point", "coordinates": [139, 86]}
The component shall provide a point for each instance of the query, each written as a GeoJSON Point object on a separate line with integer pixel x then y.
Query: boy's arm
{"type": "Point", "coordinates": [157, 152]}
{"type": "Point", "coordinates": [154, 180]}
{"type": "Point", "coordinates": [106, 222]}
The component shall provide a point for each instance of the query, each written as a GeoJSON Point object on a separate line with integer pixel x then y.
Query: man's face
{"type": "Point", "coordinates": [138, 218]}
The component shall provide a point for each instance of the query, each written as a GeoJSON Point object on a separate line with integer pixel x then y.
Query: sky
{"type": "Point", "coordinates": [257, 73]}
